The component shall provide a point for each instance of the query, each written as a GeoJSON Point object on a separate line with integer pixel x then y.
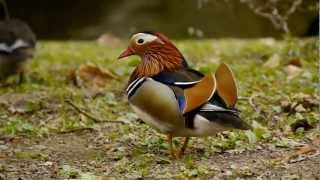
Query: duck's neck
{"type": "Point", "coordinates": [152, 63]}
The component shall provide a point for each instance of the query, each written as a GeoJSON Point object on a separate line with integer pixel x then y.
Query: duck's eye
{"type": "Point", "coordinates": [140, 41]}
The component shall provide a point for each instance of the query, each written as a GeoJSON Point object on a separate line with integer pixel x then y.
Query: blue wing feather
{"type": "Point", "coordinates": [181, 101]}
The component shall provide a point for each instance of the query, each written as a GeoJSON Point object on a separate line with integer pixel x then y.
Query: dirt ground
{"type": "Point", "coordinates": [87, 151]}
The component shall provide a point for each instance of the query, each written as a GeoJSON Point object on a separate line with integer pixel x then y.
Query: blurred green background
{"type": "Point", "coordinates": [83, 19]}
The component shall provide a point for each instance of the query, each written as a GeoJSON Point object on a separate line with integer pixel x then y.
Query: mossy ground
{"type": "Point", "coordinates": [43, 137]}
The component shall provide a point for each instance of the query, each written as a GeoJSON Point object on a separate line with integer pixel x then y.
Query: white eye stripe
{"type": "Point", "coordinates": [145, 38]}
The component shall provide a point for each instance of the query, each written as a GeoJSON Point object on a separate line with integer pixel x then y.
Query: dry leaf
{"type": "Point", "coordinates": [300, 108]}
{"type": "Point", "coordinates": [295, 62]}
{"type": "Point", "coordinates": [311, 101]}
{"type": "Point", "coordinates": [292, 71]}
{"type": "Point", "coordinates": [108, 39]}
{"type": "Point", "coordinates": [300, 103]}
{"type": "Point", "coordinates": [308, 101]}
{"type": "Point", "coordinates": [91, 77]}
{"type": "Point", "coordinates": [273, 61]}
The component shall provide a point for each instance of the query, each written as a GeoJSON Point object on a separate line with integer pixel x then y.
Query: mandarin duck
{"type": "Point", "coordinates": [17, 44]}
{"type": "Point", "coordinates": [173, 98]}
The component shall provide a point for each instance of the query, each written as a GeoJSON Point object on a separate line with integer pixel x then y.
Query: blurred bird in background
{"type": "Point", "coordinates": [17, 44]}
{"type": "Point", "coordinates": [175, 99]}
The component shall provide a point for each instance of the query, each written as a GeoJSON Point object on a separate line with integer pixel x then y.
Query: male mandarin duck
{"type": "Point", "coordinates": [17, 43]}
{"type": "Point", "coordinates": [175, 99]}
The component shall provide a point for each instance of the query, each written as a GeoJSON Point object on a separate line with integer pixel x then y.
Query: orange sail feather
{"type": "Point", "coordinates": [226, 85]}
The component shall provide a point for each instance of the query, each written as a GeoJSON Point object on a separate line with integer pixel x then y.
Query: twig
{"type": "Point", "coordinates": [5, 9]}
{"type": "Point", "coordinates": [263, 174]}
{"type": "Point", "coordinates": [75, 130]}
{"type": "Point", "coordinates": [89, 115]}
{"type": "Point", "coordinates": [242, 98]}
{"type": "Point", "coordinates": [270, 11]}
{"type": "Point", "coordinates": [255, 108]}
{"type": "Point", "coordinates": [293, 8]}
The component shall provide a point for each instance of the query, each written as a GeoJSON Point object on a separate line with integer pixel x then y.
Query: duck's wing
{"type": "Point", "coordinates": [191, 88]}
{"type": "Point", "coordinates": [212, 97]}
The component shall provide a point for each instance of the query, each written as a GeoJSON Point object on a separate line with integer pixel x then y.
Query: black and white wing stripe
{"type": "Point", "coordinates": [16, 45]}
{"type": "Point", "coordinates": [186, 83]}
{"type": "Point", "coordinates": [215, 108]}
{"type": "Point", "coordinates": [134, 85]}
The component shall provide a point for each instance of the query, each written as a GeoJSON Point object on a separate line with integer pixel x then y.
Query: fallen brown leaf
{"type": "Point", "coordinates": [300, 103]}
{"type": "Point", "coordinates": [296, 62]}
{"type": "Point", "coordinates": [308, 101]}
{"type": "Point", "coordinates": [292, 71]}
{"type": "Point", "coordinates": [91, 77]}
{"type": "Point", "coordinates": [108, 39]}
{"type": "Point", "coordinates": [90, 74]}
{"type": "Point", "coordinates": [300, 108]}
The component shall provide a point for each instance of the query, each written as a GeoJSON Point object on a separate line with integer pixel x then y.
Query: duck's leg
{"type": "Point", "coordinates": [21, 77]}
{"type": "Point", "coordinates": [184, 146]}
{"type": "Point", "coordinates": [169, 137]}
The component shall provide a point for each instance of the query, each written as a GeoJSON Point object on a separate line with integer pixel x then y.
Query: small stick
{"type": "Point", "coordinates": [254, 106]}
{"type": "Point", "coordinates": [90, 116]}
{"type": "Point", "coordinates": [75, 130]}
{"type": "Point", "coordinates": [242, 98]}
{"type": "Point", "coordinates": [5, 8]}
